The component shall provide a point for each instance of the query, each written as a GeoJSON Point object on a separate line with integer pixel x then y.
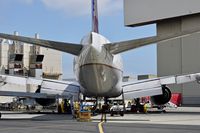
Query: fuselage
{"type": "Point", "coordinates": [98, 71]}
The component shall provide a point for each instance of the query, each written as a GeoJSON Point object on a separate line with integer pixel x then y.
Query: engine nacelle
{"type": "Point", "coordinates": [164, 98]}
{"type": "Point", "coordinates": [44, 101]}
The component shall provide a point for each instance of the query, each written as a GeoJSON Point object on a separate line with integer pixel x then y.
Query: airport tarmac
{"type": "Point", "coordinates": [181, 120]}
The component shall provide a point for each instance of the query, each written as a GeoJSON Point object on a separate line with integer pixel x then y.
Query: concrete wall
{"type": "Point", "coordinates": [52, 63]}
{"type": "Point", "coordinates": [180, 56]}
{"type": "Point", "coordinates": [4, 47]}
{"type": "Point", "coordinates": [26, 57]}
{"type": "Point", "coordinates": [139, 12]}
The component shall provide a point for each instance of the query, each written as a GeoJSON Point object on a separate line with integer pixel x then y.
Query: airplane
{"type": "Point", "coordinates": [99, 69]}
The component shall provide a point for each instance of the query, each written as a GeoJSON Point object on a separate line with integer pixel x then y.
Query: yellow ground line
{"type": "Point", "coordinates": [100, 127]}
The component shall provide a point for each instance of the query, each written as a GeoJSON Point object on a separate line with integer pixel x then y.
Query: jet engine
{"type": "Point", "coordinates": [163, 98]}
{"type": "Point", "coordinates": [44, 101]}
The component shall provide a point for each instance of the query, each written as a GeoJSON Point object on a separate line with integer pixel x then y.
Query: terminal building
{"type": "Point", "coordinates": [17, 58]}
{"type": "Point", "coordinates": [178, 56]}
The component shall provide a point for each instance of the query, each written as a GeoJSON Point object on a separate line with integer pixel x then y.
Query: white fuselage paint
{"type": "Point", "coordinates": [98, 71]}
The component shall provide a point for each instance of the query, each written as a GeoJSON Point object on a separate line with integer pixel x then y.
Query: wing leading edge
{"type": "Point", "coordinates": [61, 46]}
{"type": "Point", "coordinates": [152, 87]}
{"type": "Point", "coordinates": [119, 47]}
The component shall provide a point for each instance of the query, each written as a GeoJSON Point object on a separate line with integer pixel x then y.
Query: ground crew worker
{"type": "Point", "coordinates": [145, 108]}
{"type": "Point", "coordinates": [104, 111]}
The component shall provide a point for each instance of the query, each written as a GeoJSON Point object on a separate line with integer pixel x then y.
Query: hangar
{"type": "Point", "coordinates": [178, 56]}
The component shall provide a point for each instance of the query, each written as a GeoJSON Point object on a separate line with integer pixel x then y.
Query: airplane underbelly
{"type": "Point", "coordinates": [100, 80]}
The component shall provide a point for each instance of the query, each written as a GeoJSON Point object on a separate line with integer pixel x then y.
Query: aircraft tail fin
{"type": "Point", "coordinates": [95, 23]}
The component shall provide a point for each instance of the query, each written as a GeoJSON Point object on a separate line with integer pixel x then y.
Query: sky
{"type": "Point", "coordinates": [70, 20]}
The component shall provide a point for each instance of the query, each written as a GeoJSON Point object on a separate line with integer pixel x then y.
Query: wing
{"type": "Point", "coordinates": [17, 86]}
{"type": "Point", "coordinates": [119, 47]}
{"type": "Point", "coordinates": [152, 87]}
{"type": "Point", "coordinates": [31, 95]}
{"type": "Point", "coordinates": [61, 46]}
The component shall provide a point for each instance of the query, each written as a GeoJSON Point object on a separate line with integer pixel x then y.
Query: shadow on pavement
{"type": "Point", "coordinates": [36, 117]}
